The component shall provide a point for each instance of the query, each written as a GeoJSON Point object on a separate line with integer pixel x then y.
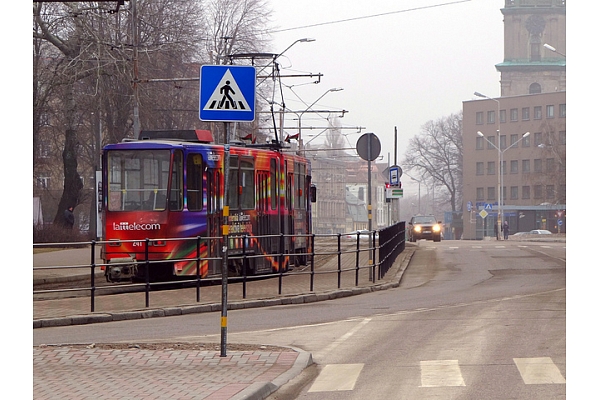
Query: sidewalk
{"type": "Point", "coordinates": [170, 371]}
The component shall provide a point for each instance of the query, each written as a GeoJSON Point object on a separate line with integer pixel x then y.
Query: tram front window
{"type": "Point", "coordinates": [138, 179]}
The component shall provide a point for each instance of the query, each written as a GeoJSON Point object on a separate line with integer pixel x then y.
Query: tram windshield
{"type": "Point", "coordinates": [138, 180]}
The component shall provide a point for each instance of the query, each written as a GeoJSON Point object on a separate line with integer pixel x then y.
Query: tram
{"type": "Point", "coordinates": [163, 207]}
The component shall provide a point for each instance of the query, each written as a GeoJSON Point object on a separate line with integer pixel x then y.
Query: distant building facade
{"type": "Point", "coordinates": [529, 173]}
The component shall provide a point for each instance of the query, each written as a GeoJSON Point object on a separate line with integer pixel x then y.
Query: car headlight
{"type": "Point", "coordinates": [437, 228]}
{"type": "Point", "coordinates": [417, 228]}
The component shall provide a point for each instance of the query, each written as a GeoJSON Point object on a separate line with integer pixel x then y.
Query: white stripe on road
{"type": "Point", "coordinates": [538, 370]}
{"type": "Point", "coordinates": [438, 373]}
{"type": "Point", "coordinates": [344, 337]}
{"type": "Point", "coordinates": [336, 377]}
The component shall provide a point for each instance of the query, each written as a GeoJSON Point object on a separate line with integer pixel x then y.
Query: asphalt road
{"type": "Point", "coordinates": [470, 320]}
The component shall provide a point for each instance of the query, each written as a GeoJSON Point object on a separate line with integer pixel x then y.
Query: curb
{"type": "Point", "coordinates": [262, 390]}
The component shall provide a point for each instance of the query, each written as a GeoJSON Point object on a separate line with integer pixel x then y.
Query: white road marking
{"type": "Point", "coordinates": [538, 370]}
{"type": "Point", "coordinates": [344, 337]}
{"type": "Point", "coordinates": [437, 373]}
{"type": "Point", "coordinates": [336, 377]}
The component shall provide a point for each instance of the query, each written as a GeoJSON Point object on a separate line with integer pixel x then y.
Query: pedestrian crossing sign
{"type": "Point", "coordinates": [227, 93]}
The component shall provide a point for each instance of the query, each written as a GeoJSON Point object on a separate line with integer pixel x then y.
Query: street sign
{"type": "Point", "coordinates": [469, 206]}
{"type": "Point", "coordinates": [394, 193]}
{"type": "Point", "coordinates": [227, 93]}
{"type": "Point", "coordinates": [483, 213]}
{"type": "Point", "coordinates": [487, 206]}
{"type": "Point", "coordinates": [368, 146]}
{"type": "Point", "coordinates": [395, 175]}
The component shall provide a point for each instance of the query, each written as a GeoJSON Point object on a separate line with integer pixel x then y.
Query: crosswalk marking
{"type": "Point", "coordinates": [335, 377]}
{"type": "Point", "coordinates": [436, 373]}
{"type": "Point", "coordinates": [538, 370]}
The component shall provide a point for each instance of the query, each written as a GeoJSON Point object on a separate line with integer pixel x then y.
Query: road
{"type": "Point", "coordinates": [470, 320]}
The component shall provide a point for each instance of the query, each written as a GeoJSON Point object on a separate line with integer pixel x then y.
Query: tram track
{"type": "Point", "coordinates": [80, 285]}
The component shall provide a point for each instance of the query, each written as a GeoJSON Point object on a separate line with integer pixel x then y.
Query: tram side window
{"type": "Point", "coordinates": [176, 194]}
{"type": "Point", "coordinates": [194, 171]}
{"type": "Point", "coordinates": [274, 181]}
{"type": "Point", "coordinates": [234, 203]}
{"type": "Point", "coordinates": [247, 189]}
{"type": "Point", "coordinates": [300, 185]}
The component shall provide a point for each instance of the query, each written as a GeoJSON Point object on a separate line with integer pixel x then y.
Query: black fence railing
{"type": "Point", "coordinates": [329, 255]}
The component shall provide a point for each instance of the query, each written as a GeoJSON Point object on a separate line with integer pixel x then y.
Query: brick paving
{"type": "Point", "coordinates": [91, 373]}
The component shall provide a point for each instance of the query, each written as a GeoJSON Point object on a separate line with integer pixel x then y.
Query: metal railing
{"type": "Point", "coordinates": [374, 252]}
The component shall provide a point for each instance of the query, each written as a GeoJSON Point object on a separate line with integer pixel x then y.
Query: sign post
{"type": "Point", "coordinates": [227, 94]}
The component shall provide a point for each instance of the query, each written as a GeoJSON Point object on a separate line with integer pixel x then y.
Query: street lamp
{"type": "Point", "coordinates": [499, 221]}
{"type": "Point", "coordinates": [501, 177]}
{"type": "Point", "coordinates": [308, 108]}
{"type": "Point", "coordinates": [546, 45]}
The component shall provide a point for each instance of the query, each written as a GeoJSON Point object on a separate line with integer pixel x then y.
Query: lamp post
{"type": "Point", "coordinates": [300, 146]}
{"type": "Point", "coordinates": [419, 182]}
{"type": "Point", "coordinates": [501, 177]}
{"type": "Point", "coordinates": [499, 219]}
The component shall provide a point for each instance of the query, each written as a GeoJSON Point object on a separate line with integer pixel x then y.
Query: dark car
{"type": "Point", "coordinates": [424, 227]}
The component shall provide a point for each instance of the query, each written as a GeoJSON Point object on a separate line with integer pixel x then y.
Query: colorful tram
{"type": "Point", "coordinates": [167, 188]}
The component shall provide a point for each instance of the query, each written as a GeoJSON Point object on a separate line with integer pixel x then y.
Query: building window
{"type": "Point", "coordinates": [491, 142]}
{"type": "Point", "coordinates": [525, 113]}
{"type": "Point", "coordinates": [491, 193]}
{"type": "Point", "coordinates": [525, 166]}
{"type": "Point", "coordinates": [43, 149]}
{"type": "Point", "coordinates": [550, 191]}
{"type": "Point", "coordinates": [479, 143]}
{"type": "Point", "coordinates": [514, 192]}
{"type": "Point", "coordinates": [550, 165]}
{"type": "Point", "coordinates": [479, 194]}
{"type": "Point", "coordinates": [550, 111]}
{"type": "Point", "coordinates": [479, 117]}
{"type": "Point", "coordinates": [537, 138]}
{"type": "Point", "coordinates": [562, 137]}
{"type": "Point", "coordinates": [491, 168]}
{"type": "Point", "coordinates": [514, 139]}
{"type": "Point", "coordinates": [562, 110]}
{"type": "Point", "coordinates": [491, 117]}
{"type": "Point", "coordinates": [514, 114]}
{"type": "Point", "coordinates": [526, 142]}
{"type": "Point", "coordinates": [537, 192]}
{"type": "Point", "coordinates": [537, 112]}
{"type": "Point", "coordinates": [525, 192]}
{"type": "Point", "coordinates": [537, 165]}
{"type": "Point", "coordinates": [502, 116]}
{"type": "Point", "coordinates": [479, 168]}
{"type": "Point", "coordinates": [535, 88]}
{"type": "Point", "coordinates": [43, 182]}
{"type": "Point", "coordinates": [502, 142]}
{"type": "Point", "coordinates": [503, 167]}
{"type": "Point", "coordinates": [514, 166]}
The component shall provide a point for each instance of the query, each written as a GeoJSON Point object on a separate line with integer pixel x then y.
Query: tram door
{"type": "Point", "coordinates": [214, 217]}
{"type": "Point", "coordinates": [262, 220]}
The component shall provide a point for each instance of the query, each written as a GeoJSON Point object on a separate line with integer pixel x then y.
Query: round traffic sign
{"type": "Point", "coordinates": [368, 147]}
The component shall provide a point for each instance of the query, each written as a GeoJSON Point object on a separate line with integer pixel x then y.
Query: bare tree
{"type": "Point", "coordinates": [334, 141]}
{"type": "Point", "coordinates": [236, 27]}
{"type": "Point", "coordinates": [89, 50]}
{"type": "Point", "coordinates": [436, 155]}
